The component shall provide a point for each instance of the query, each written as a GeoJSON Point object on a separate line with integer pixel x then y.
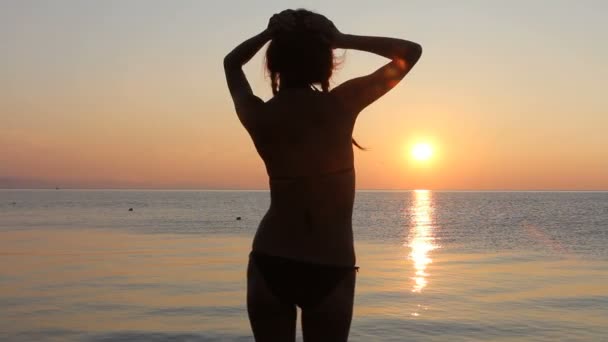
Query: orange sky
{"type": "Point", "coordinates": [116, 94]}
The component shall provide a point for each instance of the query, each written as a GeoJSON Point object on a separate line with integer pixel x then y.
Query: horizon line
{"type": "Point", "coordinates": [267, 190]}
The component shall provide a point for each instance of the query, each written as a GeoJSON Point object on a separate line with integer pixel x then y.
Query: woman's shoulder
{"type": "Point", "coordinates": [299, 99]}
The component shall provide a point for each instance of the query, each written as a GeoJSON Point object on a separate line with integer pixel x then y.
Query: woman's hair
{"type": "Point", "coordinates": [300, 56]}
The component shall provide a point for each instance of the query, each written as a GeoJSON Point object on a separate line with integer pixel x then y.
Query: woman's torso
{"type": "Point", "coordinates": [304, 138]}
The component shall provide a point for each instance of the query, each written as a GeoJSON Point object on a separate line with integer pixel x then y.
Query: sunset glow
{"type": "Point", "coordinates": [422, 151]}
{"type": "Point", "coordinates": [126, 96]}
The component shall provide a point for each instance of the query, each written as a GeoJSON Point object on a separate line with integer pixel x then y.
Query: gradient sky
{"type": "Point", "coordinates": [512, 94]}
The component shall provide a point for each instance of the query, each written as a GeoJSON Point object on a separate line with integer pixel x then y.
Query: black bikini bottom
{"type": "Point", "coordinates": [301, 283]}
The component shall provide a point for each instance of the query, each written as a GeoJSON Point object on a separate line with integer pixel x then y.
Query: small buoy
{"type": "Point", "coordinates": [14, 203]}
{"type": "Point", "coordinates": [238, 218]}
{"type": "Point", "coordinates": [130, 209]}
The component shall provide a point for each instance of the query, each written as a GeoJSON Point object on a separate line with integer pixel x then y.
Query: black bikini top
{"type": "Point", "coordinates": [321, 175]}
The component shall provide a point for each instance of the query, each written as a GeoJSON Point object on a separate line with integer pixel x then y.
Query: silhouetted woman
{"type": "Point", "coordinates": [303, 250]}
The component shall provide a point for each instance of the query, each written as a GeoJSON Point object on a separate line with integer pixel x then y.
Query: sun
{"type": "Point", "coordinates": [422, 151]}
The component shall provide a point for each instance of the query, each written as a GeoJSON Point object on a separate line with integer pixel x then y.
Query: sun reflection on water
{"type": "Point", "coordinates": [421, 241]}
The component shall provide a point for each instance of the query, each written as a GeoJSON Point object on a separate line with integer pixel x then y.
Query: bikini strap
{"type": "Point", "coordinates": [321, 175]}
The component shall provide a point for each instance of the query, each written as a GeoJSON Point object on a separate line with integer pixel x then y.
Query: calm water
{"type": "Point", "coordinates": [435, 266]}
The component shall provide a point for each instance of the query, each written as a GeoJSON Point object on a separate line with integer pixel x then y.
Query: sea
{"type": "Point", "coordinates": [126, 265]}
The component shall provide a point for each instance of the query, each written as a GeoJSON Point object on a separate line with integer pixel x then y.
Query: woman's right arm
{"type": "Point", "coordinates": [358, 93]}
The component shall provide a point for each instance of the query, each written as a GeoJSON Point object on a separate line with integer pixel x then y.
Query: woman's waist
{"type": "Point", "coordinates": [336, 192]}
{"type": "Point", "coordinates": [323, 242]}
{"type": "Point", "coordinates": [310, 216]}
{"type": "Point", "coordinates": [308, 220]}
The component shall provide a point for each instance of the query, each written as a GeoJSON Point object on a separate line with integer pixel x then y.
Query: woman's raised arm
{"type": "Point", "coordinates": [245, 101]}
{"type": "Point", "coordinates": [358, 93]}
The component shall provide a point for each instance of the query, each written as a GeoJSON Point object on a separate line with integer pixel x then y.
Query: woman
{"type": "Point", "coordinates": [303, 250]}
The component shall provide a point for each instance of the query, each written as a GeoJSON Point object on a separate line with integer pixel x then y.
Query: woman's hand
{"type": "Point", "coordinates": [284, 21]}
{"type": "Point", "coordinates": [325, 26]}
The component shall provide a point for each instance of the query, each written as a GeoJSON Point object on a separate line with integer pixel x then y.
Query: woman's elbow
{"type": "Point", "coordinates": [231, 61]}
{"type": "Point", "coordinates": [409, 53]}
{"type": "Point", "coordinates": [228, 63]}
{"type": "Point", "coordinates": [414, 53]}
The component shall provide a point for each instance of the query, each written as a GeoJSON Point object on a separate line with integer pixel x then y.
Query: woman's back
{"type": "Point", "coordinates": [303, 132]}
{"type": "Point", "coordinates": [304, 138]}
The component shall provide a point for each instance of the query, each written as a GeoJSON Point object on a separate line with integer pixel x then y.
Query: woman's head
{"type": "Point", "coordinates": [299, 56]}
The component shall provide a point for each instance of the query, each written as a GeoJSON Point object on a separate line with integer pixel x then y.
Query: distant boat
{"type": "Point", "coordinates": [56, 188]}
